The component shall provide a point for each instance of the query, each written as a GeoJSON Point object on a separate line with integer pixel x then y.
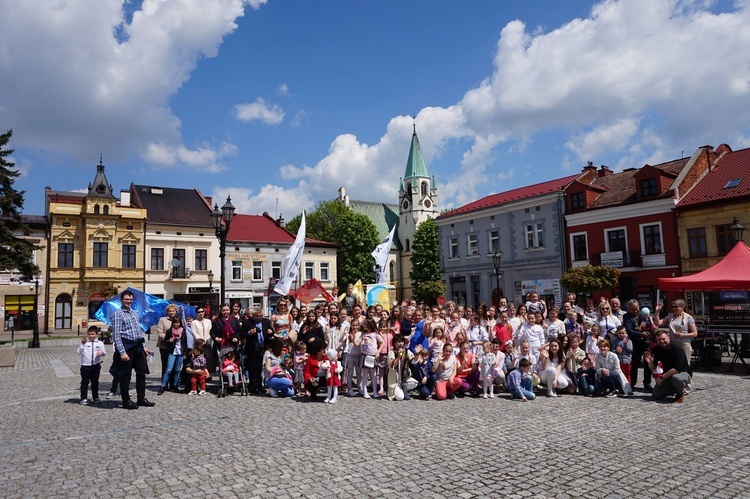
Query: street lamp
{"type": "Point", "coordinates": [35, 318]}
{"type": "Point", "coordinates": [221, 221]}
{"type": "Point", "coordinates": [735, 232]}
{"type": "Point", "coordinates": [496, 257]}
{"type": "Point", "coordinates": [210, 289]}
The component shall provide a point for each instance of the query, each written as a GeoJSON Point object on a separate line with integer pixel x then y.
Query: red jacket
{"type": "Point", "coordinates": [312, 367]}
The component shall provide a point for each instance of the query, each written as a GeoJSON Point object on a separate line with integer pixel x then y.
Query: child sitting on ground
{"type": "Point", "coordinates": [519, 381]}
{"type": "Point", "coordinates": [197, 369]}
{"type": "Point", "coordinates": [231, 369]}
{"type": "Point", "coordinates": [586, 377]}
{"type": "Point", "coordinates": [421, 369]}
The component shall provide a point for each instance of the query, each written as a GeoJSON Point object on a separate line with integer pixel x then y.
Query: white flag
{"type": "Point", "coordinates": [381, 253]}
{"type": "Point", "coordinates": [292, 261]}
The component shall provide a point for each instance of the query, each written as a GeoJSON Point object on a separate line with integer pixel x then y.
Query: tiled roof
{"type": "Point", "coordinates": [383, 215]}
{"type": "Point", "coordinates": [513, 195]}
{"type": "Point", "coordinates": [65, 196]}
{"type": "Point", "coordinates": [172, 206]}
{"type": "Point", "coordinates": [620, 188]}
{"type": "Point", "coordinates": [732, 166]}
{"type": "Point", "coordinates": [34, 219]}
{"type": "Point", "coordinates": [263, 229]}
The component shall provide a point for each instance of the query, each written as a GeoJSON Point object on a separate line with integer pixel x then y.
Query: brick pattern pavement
{"type": "Point", "coordinates": [261, 447]}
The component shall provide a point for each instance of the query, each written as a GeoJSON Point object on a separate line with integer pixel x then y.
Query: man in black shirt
{"type": "Point", "coordinates": [349, 300]}
{"type": "Point", "coordinates": [257, 332]}
{"type": "Point", "coordinates": [675, 377]}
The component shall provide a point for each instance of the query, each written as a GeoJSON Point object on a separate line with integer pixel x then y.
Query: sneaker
{"type": "Point", "coordinates": [161, 391]}
{"type": "Point", "coordinates": [327, 401]}
{"type": "Point", "coordinates": [202, 392]}
{"type": "Point", "coordinates": [484, 396]}
{"type": "Point", "coordinates": [84, 402]}
{"type": "Point", "coordinates": [192, 392]}
{"type": "Point", "coordinates": [367, 395]}
{"type": "Point", "coordinates": [96, 401]}
{"type": "Point", "coordinates": [332, 401]}
{"type": "Point", "coordinates": [492, 395]}
{"type": "Point", "coordinates": [110, 395]}
{"type": "Point", "coordinates": [686, 391]}
{"type": "Point", "coordinates": [611, 394]}
{"type": "Point", "coordinates": [552, 394]}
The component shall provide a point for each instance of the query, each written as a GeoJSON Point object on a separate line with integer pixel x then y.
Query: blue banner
{"type": "Point", "coordinates": [148, 307]}
{"type": "Point", "coordinates": [733, 295]}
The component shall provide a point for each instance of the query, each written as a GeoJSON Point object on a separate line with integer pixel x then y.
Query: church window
{"type": "Point", "coordinates": [96, 209]}
{"type": "Point", "coordinates": [424, 188]}
{"type": "Point", "coordinates": [408, 247]}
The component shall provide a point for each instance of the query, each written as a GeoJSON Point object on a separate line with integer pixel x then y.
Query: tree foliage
{"type": "Point", "coordinates": [356, 235]}
{"type": "Point", "coordinates": [425, 262]}
{"type": "Point", "coordinates": [590, 278]}
{"type": "Point", "coordinates": [17, 252]}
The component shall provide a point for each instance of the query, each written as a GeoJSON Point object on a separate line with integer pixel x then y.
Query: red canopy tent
{"type": "Point", "coordinates": [731, 273]}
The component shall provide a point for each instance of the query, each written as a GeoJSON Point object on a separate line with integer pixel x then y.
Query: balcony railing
{"type": "Point", "coordinates": [617, 259]}
{"type": "Point", "coordinates": [180, 273]}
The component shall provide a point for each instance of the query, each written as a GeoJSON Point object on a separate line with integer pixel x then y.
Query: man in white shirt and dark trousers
{"type": "Point", "coordinates": [91, 351]}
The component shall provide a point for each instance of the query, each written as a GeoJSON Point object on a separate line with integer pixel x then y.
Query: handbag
{"type": "Point", "coordinates": [369, 361]}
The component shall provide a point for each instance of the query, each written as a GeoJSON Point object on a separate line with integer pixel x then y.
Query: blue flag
{"type": "Point", "coordinates": [148, 307]}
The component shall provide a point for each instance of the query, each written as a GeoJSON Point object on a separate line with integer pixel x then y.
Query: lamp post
{"type": "Point", "coordinates": [210, 289]}
{"type": "Point", "coordinates": [496, 257]}
{"type": "Point", "coordinates": [221, 221]}
{"type": "Point", "coordinates": [35, 318]}
{"type": "Point", "coordinates": [735, 232]}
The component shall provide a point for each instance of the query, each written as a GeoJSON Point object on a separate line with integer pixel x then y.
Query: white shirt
{"type": "Point", "coordinates": [201, 329]}
{"type": "Point", "coordinates": [88, 354]}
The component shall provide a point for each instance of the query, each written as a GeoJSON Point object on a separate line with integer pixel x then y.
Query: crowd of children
{"type": "Point", "coordinates": [427, 352]}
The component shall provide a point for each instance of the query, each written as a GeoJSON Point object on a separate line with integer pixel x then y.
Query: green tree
{"type": "Point", "coordinates": [357, 237]}
{"type": "Point", "coordinates": [590, 278]}
{"type": "Point", "coordinates": [17, 252]}
{"type": "Point", "coordinates": [322, 221]}
{"type": "Point", "coordinates": [425, 263]}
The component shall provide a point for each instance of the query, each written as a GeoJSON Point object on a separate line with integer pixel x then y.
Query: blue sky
{"type": "Point", "coordinates": [291, 100]}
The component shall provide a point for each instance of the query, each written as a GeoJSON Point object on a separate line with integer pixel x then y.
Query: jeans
{"type": "Point", "coordinates": [425, 390]}
{"type": "Point", "coordinates": [587, 386]}
{"type": "Point", "coordinates": [283, 386]}
{"type": "Point", "coordinates": [611, 382]}
{"type": "Point", "coordinates": [525, 390]}
{"type": "Point", "coordinates": [675, 384]}
{"type": "Point", "coordinates": [174, 365]}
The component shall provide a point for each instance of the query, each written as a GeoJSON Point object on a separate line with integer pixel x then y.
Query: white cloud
{"type": "Point", "coordinates": [260, 111]}
{"type": "Point", "coordinates": [604, 138]}
{"type": "Point", "coordinates": [75, 87]}
{"type": "Point", "coordinates": [22, 166]}
{"type": "Point", "coordinates": [283, 89]}
{"type": "Point", "coordinates": [290, 201]}
{"type": "Point", "coordinates": [205, 157]}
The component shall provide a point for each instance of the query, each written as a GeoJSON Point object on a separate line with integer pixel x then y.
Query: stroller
{"type": "Point", "coordinates": [224, 377]}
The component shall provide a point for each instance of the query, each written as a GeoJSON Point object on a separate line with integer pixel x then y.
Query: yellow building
{"type": "Point", "coordinates": [96, 249]}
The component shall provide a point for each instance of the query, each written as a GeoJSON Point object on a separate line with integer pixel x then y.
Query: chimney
{"type": "Point", "coordinates": [589, 168]}
{"type": "Point", "coordinates": [604, 171]}
{"type": "Point", "coordinates": [343, 197]}
{"type": "Point", "coordinates": [280, 221]}
{"type": "Point", "coordinates": [125, 198]}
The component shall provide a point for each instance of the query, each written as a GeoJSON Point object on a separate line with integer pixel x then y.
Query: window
{"type": "Point", "coordinates": [535, 235]}
{"type": "Point", "coordinates": [723, 239]}
{"type": "Point", "coordinates": [157, 258]}
{"type": "Point", "coordinates": [236, 270]}
{"type": "Point", "coordinates": [96, 209]}
{"type": "Point", "coordinates": [179, 255]}
{"type": "Point", "coordinates": [424, 188]}
{"type": "Point", "coordinates": [616, 240]}
{"type": "Point", "coordinates": [128, 256]}
{"type": "Point", "coordinates": [652, 239]}
{"type": "Point", "coordinates": [577, 201]}
{"type": "Point", "coordinates": [100, 254]}
{"type": "Point", "coordinates": [580, 251]}
{"type": "Point", "coordinates": [733, 183]}
{"type": "Point", "coordinates": [106, 209]}
{"type": "Point", "coordinates": [472, 247]}
{"type": "Point", "coordinates": [276, 270]}
{"type": "Point", "coordinates": [453, 247]}
{"type": "Point", "coordinates": [201, 259]}
{"type": "Point", "coordinates": [697, 242]}
{"type": "Point", "coordinates": [324, 274]}
{"type": "Point", "coordinates": [65, 255]}
{"type": "Point", "coordinates": [494, 241]}
{"type": "Point", "coordinates": [648, 187]}
{"type": "Point", "coordinates": [309, 270]}
{"type": "Point", "coordinates": [257, 271]}
{"type": "Point", "coordinates": [408, 247]}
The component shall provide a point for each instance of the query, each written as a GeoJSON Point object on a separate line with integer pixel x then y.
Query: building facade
{"type": "Point", "coordinates": [256, 247]}
{"type": "Point", "coordinates": [96, 249]}
{"type": "Point", "coordinates": [525, 226]}
{"type": "Point", "coordinates": [181, 246]}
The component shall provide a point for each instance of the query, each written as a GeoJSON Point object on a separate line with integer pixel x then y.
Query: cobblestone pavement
{"type": "Point", "coordinates": [572, 446]}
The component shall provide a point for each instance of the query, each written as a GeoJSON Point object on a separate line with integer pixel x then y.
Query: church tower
{"type": "Point", "coordinates": [417, 201]}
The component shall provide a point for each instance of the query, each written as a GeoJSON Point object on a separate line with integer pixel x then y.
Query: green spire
{"type": "Point", "coordinates": [415, 165]}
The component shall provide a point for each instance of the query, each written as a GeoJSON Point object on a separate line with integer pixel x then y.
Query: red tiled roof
{"type": "Point", "coordinates": [513, 195]}
{"type": "Point", "coordinates": [732, 166]}
{"type": "Point", "coordinates": [263, 229]}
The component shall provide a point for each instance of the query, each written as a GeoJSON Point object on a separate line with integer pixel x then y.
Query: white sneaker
{"type": "Point", "coordinates": [366, 395]}
{"type": "Point", "coordinates": [192, 392]}
{"type": "Point", "coordinates": [332, 401]}
{"type": "Point", "coordinates": [484, 396]}
{"type": "Point", "coordinates": [551, 394]}
{"type": "Point", "coordinates": [327, 401]}
{"type": "Point", "coordinates": [202, 392]}
{"type": "Point", "coordinates": [110, 395]}
{"type": "Point", "coordinates": [492, 395]}
{"type": "Point", "coordinates": [84, 402]}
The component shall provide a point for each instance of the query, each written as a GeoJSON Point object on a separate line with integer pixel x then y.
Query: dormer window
{"type": "Point", "coordinates": [648, 187]}
{"type": "Point", "coordinates": [577, 201]}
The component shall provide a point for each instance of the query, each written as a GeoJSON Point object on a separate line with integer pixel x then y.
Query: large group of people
{"type": "Point", "coordinates": [414, 350]}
